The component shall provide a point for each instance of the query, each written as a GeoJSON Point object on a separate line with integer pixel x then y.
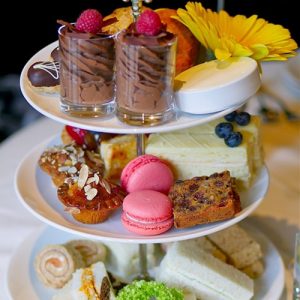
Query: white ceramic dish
{"type": "Point", "coordinates": [50, 107]}
{"type": "Point", "coordinates": [38, 195]}
{"type": "Point", "coordinates": [216, 85]}
{"type": "Point", "coordinates": [27, 286]}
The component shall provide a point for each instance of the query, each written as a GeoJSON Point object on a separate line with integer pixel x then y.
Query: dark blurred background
{"type": "Point", "coordinates": [27, 27]}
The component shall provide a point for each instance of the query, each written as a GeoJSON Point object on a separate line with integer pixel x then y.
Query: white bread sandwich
{"type": "Point", "coordinates": [200, 272]}
{"type": "Point", "coordinates": [90, 283]}
{"type": "Point", "coordinates": [122, 259]}
{"type": "Point", "coordinates": [241, 249]}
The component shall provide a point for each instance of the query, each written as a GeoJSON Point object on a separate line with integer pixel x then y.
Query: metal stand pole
{"type": "Point", "coordinates": [140, 150]}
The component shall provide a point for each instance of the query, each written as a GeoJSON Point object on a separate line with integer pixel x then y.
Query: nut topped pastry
{"type": "Point", "coordinates": [62, 162]}
{"type": "Point", "coordinates": [90, 198]}
{"type": "Point", "coordinates": [204, 199]}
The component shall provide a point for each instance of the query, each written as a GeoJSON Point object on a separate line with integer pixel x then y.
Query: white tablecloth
{"type": "Point", "coordinates": [278, 216]}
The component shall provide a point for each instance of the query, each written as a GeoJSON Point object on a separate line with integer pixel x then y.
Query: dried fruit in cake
{"type": "Point", "coordinates": [55, 264]}
{"type": "Point", "coordinates": [90, 199]}
{"type": "Point", "coordinates": [43, 77]}
{"type": "Point", "coordinates": [62, 162]}
{"type": "Point", "coordinates": [204, 199]}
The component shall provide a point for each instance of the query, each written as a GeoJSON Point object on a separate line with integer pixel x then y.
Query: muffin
{"type": "Point", "coordinates": [90, 198]}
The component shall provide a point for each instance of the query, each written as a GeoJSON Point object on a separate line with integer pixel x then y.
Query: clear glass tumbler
{"type": "Point", "coordinates": [145, 69]}
{"type": "Point", "coordinates": [86, 73]}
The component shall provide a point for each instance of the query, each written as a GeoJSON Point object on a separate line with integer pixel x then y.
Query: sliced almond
{"type": "Point", "coordinates": [90, 180]}
{"type": "Point", "coordinates": [91, 194]}
{"type": "Point", "coordinates": [96, 177]}
{"type": "Point", "coordinates": [83, 176]}
{"type": "Point", "coordinates": [63, 169]}
{"type": "Point", "coordinates": [106, 185]}
{"type": "Point", "coordinates": [71, 149]}
{"type": "Point", "coordinates": [87, 188]}
{"type": "Point", "coordinates": [72, 170]}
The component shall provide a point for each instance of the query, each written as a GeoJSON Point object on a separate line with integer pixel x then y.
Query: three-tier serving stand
{"type": "Point", "coordinates": [39, 205]}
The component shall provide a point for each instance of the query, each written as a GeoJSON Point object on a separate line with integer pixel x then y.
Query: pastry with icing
{"type": "Point", "coordinates": [43, 77]}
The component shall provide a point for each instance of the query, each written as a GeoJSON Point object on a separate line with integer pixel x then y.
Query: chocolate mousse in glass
{"type": "Point", "coordinates": [86, 72]}
{"type": "Point", "coordinates": [145, 68]}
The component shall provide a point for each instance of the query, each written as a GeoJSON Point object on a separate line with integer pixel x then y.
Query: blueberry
{"type": "Point", "coordinates": [234, 139]}
{"type": "Point", "coordinates": [223, 130]}
{"type": "Point", "coordinates": [230, 117]}
{"type": "Point", "coordinates": [242, 118]}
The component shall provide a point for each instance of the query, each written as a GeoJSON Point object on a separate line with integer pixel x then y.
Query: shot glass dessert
{"type": "Point", "coordinates": [145, 68]}
{"type": "Point", "coordinates": [87, 58]}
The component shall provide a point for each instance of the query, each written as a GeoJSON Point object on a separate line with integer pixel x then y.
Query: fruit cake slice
{"type": "Point", "coordinates": [204, 199]}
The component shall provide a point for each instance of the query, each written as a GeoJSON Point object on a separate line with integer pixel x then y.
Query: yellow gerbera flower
{"type": "Point", "coordinates": [237, 36]}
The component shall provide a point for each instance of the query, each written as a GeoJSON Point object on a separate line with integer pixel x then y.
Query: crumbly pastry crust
{"type": "Point", "coordinates": [64, 162]}
{"type": "Point", "coordinates": [204, 199]}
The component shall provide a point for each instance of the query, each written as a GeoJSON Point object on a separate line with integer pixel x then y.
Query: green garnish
{"type": "Point", "coordinates": [146, 290]}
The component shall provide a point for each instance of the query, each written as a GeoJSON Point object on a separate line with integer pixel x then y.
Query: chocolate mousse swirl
{"type": "Point", "coordinates": [144, 76]}
{"type": "Point", "coordinates": [89, 61]}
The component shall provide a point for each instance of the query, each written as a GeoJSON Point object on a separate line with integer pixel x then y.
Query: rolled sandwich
{"type": "Point", "coordinates": [201, 273]}
{"type": "Point", "coordinates": [55, 265]}
{"type": "Point", "coordinates": [90, 251]}
{"type": "Point", "coordinates": [86, 284]}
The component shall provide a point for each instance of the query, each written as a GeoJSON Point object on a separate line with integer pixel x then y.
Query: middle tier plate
{"type": "Point", "coordinates": [38, 194]}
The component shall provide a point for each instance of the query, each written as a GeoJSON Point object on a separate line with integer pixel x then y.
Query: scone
{"type": "Point", "coordinates": [204, 199]}
{"type": "Point", "coordinates": [62, 162]}
{"type": "Point", "coordinates": [90, 199]}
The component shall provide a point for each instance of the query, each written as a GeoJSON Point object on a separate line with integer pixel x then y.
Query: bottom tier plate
{"type": "Point", "coordinates": [38, 194]}
{"type": "Point", "coordinates": [25, 285]}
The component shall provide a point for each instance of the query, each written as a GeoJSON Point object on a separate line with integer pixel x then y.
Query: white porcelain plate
{"type": "Point", "coordinates": [38, 195]}
{"type": "Point", "coordinates": [27, 286]}
{"type": "Point", "coordinates": [50, 107]}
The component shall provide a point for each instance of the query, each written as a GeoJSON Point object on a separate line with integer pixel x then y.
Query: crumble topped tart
{"type": "Point", "coordinates": [204, 199]}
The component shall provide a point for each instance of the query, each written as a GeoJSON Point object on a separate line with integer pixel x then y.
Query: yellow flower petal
{"type": "Point", "coordinates": [237, 36]}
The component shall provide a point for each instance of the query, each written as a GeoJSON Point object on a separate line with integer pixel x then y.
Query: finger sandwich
{"type": "Point", "coordinates": [86, 284]}
{"type": "Point", "coordinates": [200, 272]}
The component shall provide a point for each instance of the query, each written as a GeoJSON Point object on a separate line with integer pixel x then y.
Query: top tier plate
{"type": "Point", "coordinates": [50, 107]}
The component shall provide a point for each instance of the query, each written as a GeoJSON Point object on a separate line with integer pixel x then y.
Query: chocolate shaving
{"type": "Point", "coordinates": [109, 21]}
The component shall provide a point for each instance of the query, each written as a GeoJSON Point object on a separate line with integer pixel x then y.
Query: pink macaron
{"type": "Point", "coordinates": [147, 172]}
{"type": "Point", "coordinates": [147, 212]}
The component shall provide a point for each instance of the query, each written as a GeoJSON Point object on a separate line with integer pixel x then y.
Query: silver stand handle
{"type": "Point", "coordinates": [140, 150]}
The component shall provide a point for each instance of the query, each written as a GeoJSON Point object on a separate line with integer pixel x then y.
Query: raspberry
{"type": "Point", "coordinates": [89, 21]}
{"type": "Point", "coordinates": [148, 23]}
{"type": "Point", "coordinates": [77, 134]}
